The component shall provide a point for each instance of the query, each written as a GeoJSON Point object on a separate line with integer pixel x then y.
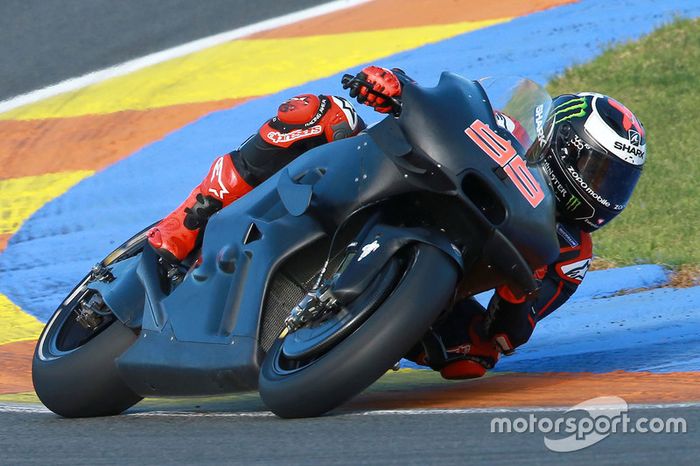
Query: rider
{"type": "Point", "coordinates": [593, 152]}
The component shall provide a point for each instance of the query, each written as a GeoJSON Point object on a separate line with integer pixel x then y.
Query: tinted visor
{"type": "Point", "coordinates": [606, 175]}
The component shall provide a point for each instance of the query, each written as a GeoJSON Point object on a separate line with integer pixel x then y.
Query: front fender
{"type": "Point", "coordinates": [375, 250]}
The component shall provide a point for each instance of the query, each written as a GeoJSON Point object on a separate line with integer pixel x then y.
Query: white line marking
{"type": "Point", "coordinates": [11, 408]}
{"type": "Point", "coordinates": [506, 410]}
{"type": "Point", "coordinates": [175, 52]}
{"type": "Point", "coordinates": [38, 409]}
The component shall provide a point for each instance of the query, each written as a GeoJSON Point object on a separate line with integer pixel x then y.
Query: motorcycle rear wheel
{"type": "Point", "coordinates": [74, 371]}
{"type": "Point", "coordinates": [85, 382]}
{"type": "Point", "coordinates": [358, 360]}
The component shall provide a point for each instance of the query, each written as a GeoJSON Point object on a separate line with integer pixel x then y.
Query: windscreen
{"type": "Point", "coordinates": [523, 101]}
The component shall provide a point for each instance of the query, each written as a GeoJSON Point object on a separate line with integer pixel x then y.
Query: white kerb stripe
{"type": "Point", "coordinates": [39, 409]}
{"type": "Point", "coordinates": [175, 52]}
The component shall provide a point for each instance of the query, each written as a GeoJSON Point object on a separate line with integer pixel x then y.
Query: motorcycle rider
{"type": "Point", "coordinates": [593, 153]}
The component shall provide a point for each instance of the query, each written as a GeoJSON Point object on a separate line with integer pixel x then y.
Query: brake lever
{"type": "Point", "coordinates": [348, 81]}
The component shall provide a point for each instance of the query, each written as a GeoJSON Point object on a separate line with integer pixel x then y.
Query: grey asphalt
{"type": "Point", "coordinates": [43, 42]}
{"type": "Point", "coordinates": [341, 439]}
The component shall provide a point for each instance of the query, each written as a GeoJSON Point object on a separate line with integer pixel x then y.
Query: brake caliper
{"type": "Point", "coordinates": [91, 311]}
{"type": "Point", "coordinates": [312, 306]}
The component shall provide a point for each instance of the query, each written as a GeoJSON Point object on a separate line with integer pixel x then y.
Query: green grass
{"type": "Point", "coordinates": [658, 78]}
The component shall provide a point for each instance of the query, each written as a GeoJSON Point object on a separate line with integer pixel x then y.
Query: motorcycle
{"type": "Point", "coordinates": [317, 282]}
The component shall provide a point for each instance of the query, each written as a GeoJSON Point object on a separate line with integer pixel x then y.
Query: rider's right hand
{"type": "Point", "coordinates": [383, 81]}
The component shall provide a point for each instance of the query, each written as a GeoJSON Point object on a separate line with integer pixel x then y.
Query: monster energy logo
{"type": "Point", "coordinates": [573, 203]}
{"type": "Point", "coordinates": [574, 108]}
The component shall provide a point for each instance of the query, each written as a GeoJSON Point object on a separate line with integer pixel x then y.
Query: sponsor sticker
{"type": "Point", "coordinates": [577, 270]}
{"type": "Point", "coordinates": [575, 175]}
{"type": "Point", "coordinates": [572, 203]}
{"type": "Point", "coordinates": [216, 176]}
{"type": "Point", "coordinates": [348, 110]}
{"type": "Point", "coordinates": [368, 249]}
{"type": "Point", "coordinates": [634, 137]}
{"type": "Point", "coordinates": [539, 125]}
{"type": "Point", "coordinates": [277, 137]}
{"type": "Point", "coordinates": [568, 237]}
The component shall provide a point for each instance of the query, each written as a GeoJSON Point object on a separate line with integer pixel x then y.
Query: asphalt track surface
{"type": "Point", "coordinates": [357, 438]}
{"type": "Point", "coordinates": [45, 42]}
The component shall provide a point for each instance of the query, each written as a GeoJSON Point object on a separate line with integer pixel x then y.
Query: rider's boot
{"type": "Point", "coordinates": [176, 235]}
{"type": "Point", "coordinates": [459, 346]}
{"type": "Point", "coordinates": [472, 358]}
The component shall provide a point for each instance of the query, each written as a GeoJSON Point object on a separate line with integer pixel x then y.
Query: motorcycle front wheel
{"type": "Point", "coordinates": [312, 387]}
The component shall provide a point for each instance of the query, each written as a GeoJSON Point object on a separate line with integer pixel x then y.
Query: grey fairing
{"type": "Point", "coordinates": [204, 336]}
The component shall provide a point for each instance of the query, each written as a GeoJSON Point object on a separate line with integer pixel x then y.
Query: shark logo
{"type": "Point", "coordinates": [634, 137]}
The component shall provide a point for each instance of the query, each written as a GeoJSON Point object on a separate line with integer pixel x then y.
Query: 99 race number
{"type": "Point", "coordinates": [503, 153]}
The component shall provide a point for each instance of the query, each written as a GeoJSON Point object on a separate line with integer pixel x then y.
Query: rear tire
{"type": "Point", "coordinates": [357, 361]}
{"type": "Point", "coordinates": [85, 382]}
{"type": "Point", "coordinates": [74, 370]}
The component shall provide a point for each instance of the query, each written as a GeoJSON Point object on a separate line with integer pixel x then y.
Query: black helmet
{"type": "Point", "coordinates": [594, 156]}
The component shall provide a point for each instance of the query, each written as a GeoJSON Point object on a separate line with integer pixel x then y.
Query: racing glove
{"type": "Point", "coordinates": [381, 80]}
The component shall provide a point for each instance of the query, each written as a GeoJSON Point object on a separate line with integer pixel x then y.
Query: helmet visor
{"type": "Point", "coordinates": [603, 176]}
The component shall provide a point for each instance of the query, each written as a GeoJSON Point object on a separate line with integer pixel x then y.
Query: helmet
{"type": "Point", "coordinates": [593, 156]}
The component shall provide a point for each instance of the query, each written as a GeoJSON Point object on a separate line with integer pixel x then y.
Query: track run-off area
{"type": "Point", "coordinates": [85, 164]}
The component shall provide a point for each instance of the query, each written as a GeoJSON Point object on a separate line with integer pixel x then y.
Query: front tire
{"type": "Point", "coordinates": [357, 361]}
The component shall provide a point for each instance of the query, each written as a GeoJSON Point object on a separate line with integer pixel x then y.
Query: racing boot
{"type": "Point", "coordinates": [472, 358]}
{"type": "Point", "coordinates": [176, 235]}
{"type": "Point", "coordinates": [459, 346]}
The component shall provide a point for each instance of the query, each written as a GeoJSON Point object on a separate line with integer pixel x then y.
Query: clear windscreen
{"type": "Point", "coordinates": [524, 101]}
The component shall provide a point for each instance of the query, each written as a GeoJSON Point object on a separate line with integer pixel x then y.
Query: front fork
{"type": "Point", "coordinates": [362, 261]}
{"type": "Point", "coordinates": [320, 300]}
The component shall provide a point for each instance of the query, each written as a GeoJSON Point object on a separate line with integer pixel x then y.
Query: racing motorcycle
{"type": "Point", "coordinates": [317, 282]}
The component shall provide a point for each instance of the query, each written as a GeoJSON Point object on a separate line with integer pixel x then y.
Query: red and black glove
{"type": "Point", "coordinates": [381, 80]}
